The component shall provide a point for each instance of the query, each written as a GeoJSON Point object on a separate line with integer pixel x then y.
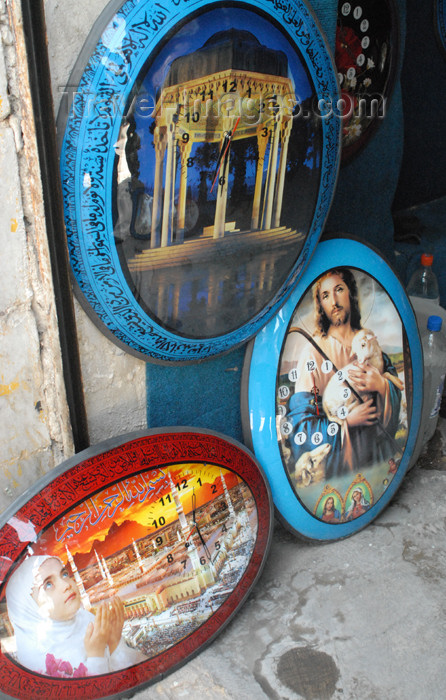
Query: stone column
{"type": "Point", "coordinates": [222, 189]}
{"type": "Point", "coordinates": [271, 177]}
{"type": "Point", "coordinates": [166, 230]}
{"type": "Point", "coordinates": [285, 138]}
{"type": "Point", "coordinates": [159, 138]}
{"type": "Point", "coordinates": [185, 151]}
{"type": "Point", "coordinates": [262, 142]}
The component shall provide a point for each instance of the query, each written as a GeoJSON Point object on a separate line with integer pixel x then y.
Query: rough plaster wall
{"type": "Point", "coordinates": [35, 433]}
{"type": "Point", "coordinates": [114, 381]}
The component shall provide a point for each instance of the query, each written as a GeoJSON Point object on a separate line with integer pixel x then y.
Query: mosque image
{"type": "Point", "coordinates": [222, 128]}
{"type": "Point", "coordinates": [172, 580]}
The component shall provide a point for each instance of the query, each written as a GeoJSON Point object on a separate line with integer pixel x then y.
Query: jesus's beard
{"type": "Point", "coordinates": [339, 317]}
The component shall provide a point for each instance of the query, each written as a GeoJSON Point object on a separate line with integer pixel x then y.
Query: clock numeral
{"type": "Point", "coordinates": [184, 562]}
{"type": "Point", "coordinates": [195, 117]}
{"type": "Point", "coordinates": [170, 558]}
{"type": "Point", "coordinates": [342, 412]}
{"type": "Point", "coordinates": [182, 485]}
{"type": "Point", "coordinates": [283, 392]}
{"type": "Point", "coordinates": [217, 546]}
{"type": "Point", "coordinates": [232, 86]}
{"type": "Point", "coordinates": [221, 181]}
{"type": "Point", "coordinates": [202, 561]}
{"type": "Point", "coordinates": [264, 132]}
{"type": "Point", "coordinates": [326, 366]}
{"type": "Point", "coordinates": [190, 162]}
{"type": "Point", "coordinates": [332, 429]}
{"type": "Point", "coordinates": [185, 137]}
{"type": "Point", "coordinates": [316, 438]}
{"type": "Point", "coordinates": [165, 499]}
{"type": "Point", "coordinates": [160, 522]}
{"type": "Point", "coordinates": [159, 541]}
{"type": "Point", "coordinates": [203, 94]}
{"type": "Point", "coordinates": [214, 488]}
{"type": "Point", "coordinates": [249, 91]}
{"type": "Point", "coordinates": [224, 528]}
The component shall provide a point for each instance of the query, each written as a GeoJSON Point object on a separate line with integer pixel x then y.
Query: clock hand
{"type": "Point", "coordinates": [194, 501]}
{"type": "Point", "coordinates": [223, 151]}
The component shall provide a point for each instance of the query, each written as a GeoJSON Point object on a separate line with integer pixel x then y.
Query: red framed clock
{"type": "Point", "coordinates": [126, 561]}
{"type": "Point", "coordinates": [366, 57]}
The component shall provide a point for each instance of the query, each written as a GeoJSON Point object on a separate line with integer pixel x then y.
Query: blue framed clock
{"type": "Point", "coordinates": [197, 169]}
{"type": "Point", "coordinates": [329, 405]}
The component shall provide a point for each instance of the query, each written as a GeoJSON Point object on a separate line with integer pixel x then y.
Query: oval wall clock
{"type": "Point", "coordinates": [329, 405]}
{"type": "Point", "coordinates": [197, 173]}
{"type": "Point", "coordinates": [127, 560]}
{"type": "Point", "coordinates": [366, 56]}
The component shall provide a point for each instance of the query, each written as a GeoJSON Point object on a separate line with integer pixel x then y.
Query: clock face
{"type": "Point", "coordinates": [197, 171]}
{"type": "Point", "coordinates": [335, 374]}
{"type": "Point", "coordinates": [366, 57]}
{"type": "Point", "coordinates": [163, 540]}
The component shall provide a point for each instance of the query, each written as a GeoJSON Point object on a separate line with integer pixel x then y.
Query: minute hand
{"type": "Point", "coordinates": [223, 152]}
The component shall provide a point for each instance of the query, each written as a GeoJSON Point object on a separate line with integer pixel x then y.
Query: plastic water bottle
{"type": "Point", "coordinates": [423, 282]}
{"type": "Point", "coordinates": [434, 351]}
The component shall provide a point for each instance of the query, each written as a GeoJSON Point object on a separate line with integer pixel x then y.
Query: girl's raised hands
{"type": "Point", "coordinates": [116, 613]}
{"type": "Point", "coordinates": [98, 632]}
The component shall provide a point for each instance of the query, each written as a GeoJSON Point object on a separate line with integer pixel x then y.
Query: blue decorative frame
{"type": "Point", "coordinates": [440, 23]}
{"type": "Point", "coordinates": [260, 388]}
{"type": "Point", "coordinates": [89, 134]}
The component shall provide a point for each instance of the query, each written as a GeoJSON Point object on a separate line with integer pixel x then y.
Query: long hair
{"type": "Point", "coordinates": [322, 322]}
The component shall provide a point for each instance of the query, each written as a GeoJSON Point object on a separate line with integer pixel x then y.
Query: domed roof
{"type": "Point", "coordinates": [231, 48]}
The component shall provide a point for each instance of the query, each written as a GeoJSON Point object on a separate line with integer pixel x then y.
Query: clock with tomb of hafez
{"type": "Point", "coordinates": [366, 57]}
{"type": "Point", "coordinates": [152, 540]}
{"type": "Point", "coordinates": [197, 169]}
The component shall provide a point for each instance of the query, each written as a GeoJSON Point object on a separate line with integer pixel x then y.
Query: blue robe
{"type": "Point", "coordinates": [370, 444]}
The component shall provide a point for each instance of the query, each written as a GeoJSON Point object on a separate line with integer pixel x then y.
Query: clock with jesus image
{"type": "Point", "coordinates": [328, 403]}
{"type": "Point", "coordinates": [126, 561]}
{"type": "Point", "coordinates": [197, 171]}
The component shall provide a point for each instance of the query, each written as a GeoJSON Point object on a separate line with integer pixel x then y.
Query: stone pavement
{"type": "Point", "coordinates": [361, 618]}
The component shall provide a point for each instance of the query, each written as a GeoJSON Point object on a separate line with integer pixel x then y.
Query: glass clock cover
{"type": "Point", "coordinates": [197, 172]}
{"type": "Point", "coordinates": [367, 40]}
{"type": "Point", "coordinates": [330, 405]}
{"type": "Point", "coordinates": [126, 560]}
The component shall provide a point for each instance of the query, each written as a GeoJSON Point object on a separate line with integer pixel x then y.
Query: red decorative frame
{"type": "Point", "coordinates": [95, 469]}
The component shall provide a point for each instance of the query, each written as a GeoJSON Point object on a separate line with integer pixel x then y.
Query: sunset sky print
{"type": "Point", "coordinates": [137, 500]}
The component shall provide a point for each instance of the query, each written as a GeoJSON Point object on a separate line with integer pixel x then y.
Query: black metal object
{"type": "Point", "coordinates": [39, 77]}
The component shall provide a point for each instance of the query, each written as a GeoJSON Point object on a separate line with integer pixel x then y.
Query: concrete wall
{"type": "Point", "coordinates": [114, 381]}
{"type": "Point", "coordinates": [35, 432]}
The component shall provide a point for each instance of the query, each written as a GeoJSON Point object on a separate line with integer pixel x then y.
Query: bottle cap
{"type": "Point", "coordinates": [434, 323]}
{"type": "Point", "coordinates": [427, 259]}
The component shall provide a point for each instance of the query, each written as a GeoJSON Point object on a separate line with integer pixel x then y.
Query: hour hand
{"type": "Point", "coordinates": [228, 136]}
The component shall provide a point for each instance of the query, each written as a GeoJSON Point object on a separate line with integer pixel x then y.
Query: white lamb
{"type": "Point", "coordinates": [338, 399]}
{"type": "Point", "coordinates": [310, 467]}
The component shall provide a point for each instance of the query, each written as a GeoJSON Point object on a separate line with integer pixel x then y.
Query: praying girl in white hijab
{"type": "Point", "coordinates": [54, 634]}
